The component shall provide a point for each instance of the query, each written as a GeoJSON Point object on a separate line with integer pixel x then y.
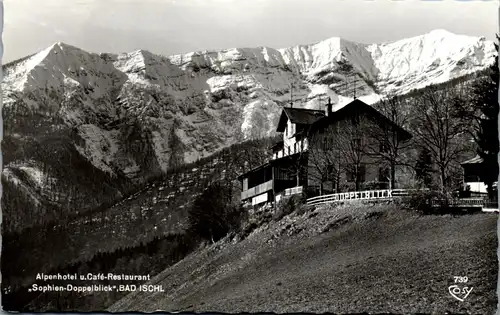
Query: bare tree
{"type": "Point", "coordinates": [440, 130]}
{"type": "Point", "coordinates": [325, 164]}
{"type": "Point", "coordinates": [254, 153]}
{"type": "Point", "coordinates": [341, 147]}
{"type": "Point", "coordinates": [352, 139]}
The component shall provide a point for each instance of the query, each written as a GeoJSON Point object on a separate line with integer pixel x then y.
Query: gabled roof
{"type": "Point", "coordinates": [301, 116]}
{"type": "Point", "coordinates": [371, 111]}
{"type": "Point", "coordinates": [317, 117]}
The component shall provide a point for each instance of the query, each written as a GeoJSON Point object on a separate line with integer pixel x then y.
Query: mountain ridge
{"type": "Point", "coordinates": [337, 45]}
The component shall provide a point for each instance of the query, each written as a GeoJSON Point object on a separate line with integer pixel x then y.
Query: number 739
{"type": "Point", "coordinates": [460, 279]}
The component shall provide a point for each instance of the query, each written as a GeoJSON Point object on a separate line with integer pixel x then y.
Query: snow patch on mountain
{"type": "Point", "coordinates": [432, 58]}
{"type": "Point", "coordinates": [23, 187]}
{"type": "Point", "coordinates": [259, 118]}
{"type": "Point", "coordinates": [34, 173]}
{"type": "Point", "coordinates": [212, 99]}
{"type": "Point", "coordinates": [329, 55]}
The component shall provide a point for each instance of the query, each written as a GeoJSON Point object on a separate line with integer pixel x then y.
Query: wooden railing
{"type": "Point", "coordinates": [257, 190]}
{"type": "Point", "coordinates": [293, 191]}
{"type": "Point", "coordinates": [300, 146]}
{"type": "Point", "coordinates": [395, 193]}
{"type": "Point", "coordinates": [356, 195]}
{"type": "Point", "coordinates": [459, 202]}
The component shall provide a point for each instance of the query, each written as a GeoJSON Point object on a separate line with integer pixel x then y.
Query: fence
{"type": "Point", "coordinates": [459, 203]}
{"type": "Point", "coordinates": [390, 194]}
{"type": "Point", "coordinates": [491, 205]}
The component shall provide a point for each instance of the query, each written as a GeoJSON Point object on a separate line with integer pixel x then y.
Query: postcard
{"type": "Point", "coordinates": [250, 156]}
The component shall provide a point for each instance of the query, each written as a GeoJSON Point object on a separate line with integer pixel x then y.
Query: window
{"type": "Point", "coordinates": [332, 171]}
{"type": "Point", "coordinates": [383, 174]}
{"type": "Point", "coordinates": [384, 148]}
{"type": "Point", "coordinates": [351, 174]}
{"type": "Point", "coordinates": [362, 173]}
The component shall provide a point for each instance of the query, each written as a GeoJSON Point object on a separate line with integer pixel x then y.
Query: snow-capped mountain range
{"type": "Point", "coordinates": [191, 105]}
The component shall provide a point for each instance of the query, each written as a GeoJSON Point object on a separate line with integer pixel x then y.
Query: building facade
{"type": "Point", "coordinates": [472, 170]}
{"type": "Point", "coordinates": [323, 151]}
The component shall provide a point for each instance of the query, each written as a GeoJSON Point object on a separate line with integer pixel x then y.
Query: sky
{"type": "Point", "coordinates": [178, 26]}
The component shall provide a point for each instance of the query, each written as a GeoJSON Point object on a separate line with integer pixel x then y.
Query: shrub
{"type": "Point", "coordinates": [288, 205]}
{"type": "Point", "coordinates": [311, 192]}
{"type": "Point", "coordinates": [249, 228]}
{"type": "Point", "coordinates": [303, 208]}
{"type": "Point", "coordinates": [418, 200]}
{"type": "Point", "coordinates": [429, 202]}
{"type": "Point", "coordinates": [373, 185]}
{"type": "Point", "coordinates": [347, 186]}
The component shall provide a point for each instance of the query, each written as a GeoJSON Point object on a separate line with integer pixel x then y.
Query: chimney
{"type": "Point", "coordinates": [328, 108]}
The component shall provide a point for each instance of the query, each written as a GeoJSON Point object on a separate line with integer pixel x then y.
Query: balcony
{"type": "Point", "coordinates": [257, 190]}
{"type": "Point", "coordinates": [297, 147]}
{"type": "Point", "coordinates": [288, 192]}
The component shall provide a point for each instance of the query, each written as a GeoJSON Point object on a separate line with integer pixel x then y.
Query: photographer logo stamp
{"type": "Point", "coordinates": [460, 290]}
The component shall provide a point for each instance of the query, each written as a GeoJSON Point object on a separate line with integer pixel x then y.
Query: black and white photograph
{"type": "Point", "coordinates": [250, 156]}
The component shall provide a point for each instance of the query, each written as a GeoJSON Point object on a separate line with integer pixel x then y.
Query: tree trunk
{"type": "Point", "coordinates": [442, 178]}
{"type": "Point", "coordinates": [393, 176]}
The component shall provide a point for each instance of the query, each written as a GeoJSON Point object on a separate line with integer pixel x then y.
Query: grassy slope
{"type": "Point", "coordinates": [343, 260]}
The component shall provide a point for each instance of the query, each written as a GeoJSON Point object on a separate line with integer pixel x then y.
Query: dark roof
{"type": "Point", "coordinates": [475, 160]}
{"type": "Point", "coordinates": [313, 117]}
{"type": "Point", "coordinates": [372, 111]}
{"type": "Point", "coordinates": [299, 116]}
